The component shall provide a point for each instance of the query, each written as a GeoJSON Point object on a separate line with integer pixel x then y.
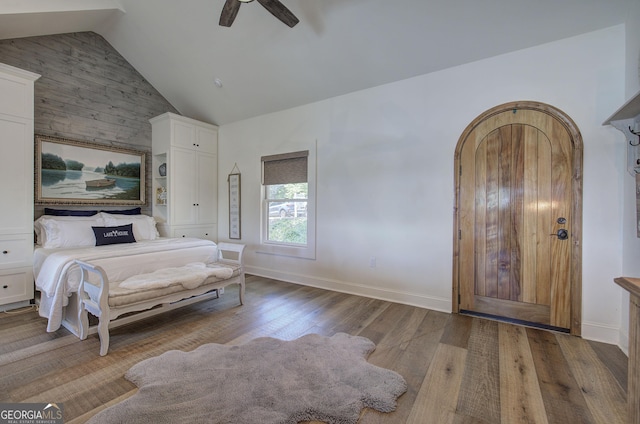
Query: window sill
{"type": "Point", "coordinates": [302, 252]}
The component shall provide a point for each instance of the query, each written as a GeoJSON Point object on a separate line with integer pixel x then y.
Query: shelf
{"type": "Point", "coordinates": [629, 110]}
{"type": "Point", "coordinates": [627, 120]}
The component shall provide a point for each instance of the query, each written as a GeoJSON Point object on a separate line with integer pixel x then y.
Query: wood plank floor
{"type": "Point", "coordinates": [459, 369]}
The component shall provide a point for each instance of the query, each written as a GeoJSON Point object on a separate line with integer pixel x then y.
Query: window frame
{"type": "Point", "coordinates": [307, 251]}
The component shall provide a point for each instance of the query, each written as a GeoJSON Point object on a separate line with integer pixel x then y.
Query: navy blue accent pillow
{"type": "Point", "coordinates": [114, 235]}
{"type": "Point", "coordinates": [68, 212]}
{"type": "Point", "coordinates": [133, 211]}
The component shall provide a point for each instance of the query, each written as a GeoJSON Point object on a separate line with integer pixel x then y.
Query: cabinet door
{"type": "Point", "coordinates": [183, 195]}
{"type": "Point", "coordinates": [184, 135]}
{"type": "Point", "coordinates": [207, 140]}
{"type": "Point", "coordinates": [16, 285]}
{"type": "Point", "coordinates": [208, 232]}
{"type": "Point", "coordinates": [16, 175]}
{"type": "Point", "coordinates": [207, 188]}
{"type": "Point", "coordinates": [16, 250]}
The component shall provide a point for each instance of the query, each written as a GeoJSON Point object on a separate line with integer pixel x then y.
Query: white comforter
{"type": "Point", "coordinates": [57, 277]}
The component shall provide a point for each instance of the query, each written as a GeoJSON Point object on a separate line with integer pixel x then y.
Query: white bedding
{"type": "Point", "coordinates": [57, 277]}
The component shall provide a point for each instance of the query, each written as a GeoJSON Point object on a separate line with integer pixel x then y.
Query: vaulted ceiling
{"type": "Point", "coordinates": [339, 46]}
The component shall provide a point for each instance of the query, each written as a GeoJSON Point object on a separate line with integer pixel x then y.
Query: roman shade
{"type": "Point", "coordinates": [286, 168]}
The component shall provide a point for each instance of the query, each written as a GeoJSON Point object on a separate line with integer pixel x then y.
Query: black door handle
{"type": "Point", "coordinates": [562, 234]}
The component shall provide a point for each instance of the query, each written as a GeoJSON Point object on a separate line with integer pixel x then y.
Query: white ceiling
{"type": "Point", "coordinates": [339, 46]}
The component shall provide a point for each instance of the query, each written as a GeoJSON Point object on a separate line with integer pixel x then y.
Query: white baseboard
{"type": "Point", "coordinates": [606, 334]}
{"type": "Point", "coordinates": [16, 305]}
{"type": "Point", "coordinates": [420, 301]}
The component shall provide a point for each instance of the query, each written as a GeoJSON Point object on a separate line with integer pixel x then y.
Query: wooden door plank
{"type": "Point", "coordinates": [530, 210]}
{"type": "Point", "coordinates": [466, 224]}
{"type": "Point", "coordinates": [504, 212]}
{"type": "Point", "coordinates": [520, 397]}
{"type": "Point", "coordinates": [510, 309]}
{"type": "Point", "coordinates": [517, 233]}
{"type": "Point", "coordinates": [561, 206]}
{"type": "Point", "coordinates": [480, 220]}
{"type": "Point", "coordinates": [544, 222]}
{"type": "Point", "coordinates": [492, 221]}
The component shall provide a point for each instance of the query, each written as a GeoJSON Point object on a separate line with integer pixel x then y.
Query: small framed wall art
{"type": "Point", "coordinates": [234, 205]}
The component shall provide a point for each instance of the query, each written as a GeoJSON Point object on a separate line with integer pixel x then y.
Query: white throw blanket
{"type": "Point", "coordinates": [57, 276]}
{"type": "Point", "coordinates": [189, 276]}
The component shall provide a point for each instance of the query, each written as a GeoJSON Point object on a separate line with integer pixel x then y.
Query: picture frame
{"type": "Point", "coordinates": [82, 173]}
{"type": "Point", "coordinates": [234, 206]}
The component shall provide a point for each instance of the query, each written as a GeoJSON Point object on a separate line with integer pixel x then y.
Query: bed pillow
{"type": "Point", "coordinates": [66, 231]}
{"type": "Point", "coordinates": [132, 211]}
{"type": "Point", "coordinates": [114, 235]}
{"type": "Point", "coordinates": [68, 212]}
{"type": "Point", "coordinates": [144, 226]}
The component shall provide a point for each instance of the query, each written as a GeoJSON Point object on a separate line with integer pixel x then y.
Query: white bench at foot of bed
{"type": "Point", "coordinates": [108, 301]}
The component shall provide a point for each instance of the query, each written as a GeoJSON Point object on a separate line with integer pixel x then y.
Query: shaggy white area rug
{"type": "Point", "coordinates": [263, 381]}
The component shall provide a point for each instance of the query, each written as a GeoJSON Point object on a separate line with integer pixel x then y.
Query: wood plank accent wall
{"type": "Point", "coordinates": [88, 92]}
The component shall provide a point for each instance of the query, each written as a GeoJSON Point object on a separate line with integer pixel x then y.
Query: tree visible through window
{"type": "Point", "coordinates": [287, 206]}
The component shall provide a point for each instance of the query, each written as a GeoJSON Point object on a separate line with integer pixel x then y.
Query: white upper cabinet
{"type": "Point", "coordinates": [185, 197]}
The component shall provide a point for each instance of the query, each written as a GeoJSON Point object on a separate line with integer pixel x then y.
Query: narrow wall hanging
{"type": "Point", "coordinates": [234, 203]}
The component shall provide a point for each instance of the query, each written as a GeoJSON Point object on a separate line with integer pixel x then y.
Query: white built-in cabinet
{"type": "Point", "coordinates": [185, 198]}
{"type": "Point", "coordinates": [16, 187]}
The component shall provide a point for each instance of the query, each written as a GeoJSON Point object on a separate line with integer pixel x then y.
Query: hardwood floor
{"type": "Point", "coordinates": [459, 369]}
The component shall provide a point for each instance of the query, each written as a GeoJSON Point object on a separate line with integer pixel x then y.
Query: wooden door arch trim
{"type": "Point", "coordinates": [576, 182]}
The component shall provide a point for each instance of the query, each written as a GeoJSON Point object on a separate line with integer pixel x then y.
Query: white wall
{"type": "Point", "coordinates": [631, 243]}
{"type": "Point", "coordinates": [385, 173]}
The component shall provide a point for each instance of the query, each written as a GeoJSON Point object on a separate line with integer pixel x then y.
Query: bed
{"type": "Point", "coordinates": [63, 240]}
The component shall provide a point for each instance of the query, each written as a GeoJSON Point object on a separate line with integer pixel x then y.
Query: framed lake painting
{"type": "Point", "coordinates": [74, 172]}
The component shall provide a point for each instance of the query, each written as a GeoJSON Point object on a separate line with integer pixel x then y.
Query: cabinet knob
{"type": "Point", "coordinates": [5, 287]}
{"type": "Point", "coordinates": [4, 252]}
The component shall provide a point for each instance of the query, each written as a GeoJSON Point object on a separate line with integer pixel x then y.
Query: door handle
{"type": "Point", "coordinates": [562, 234]}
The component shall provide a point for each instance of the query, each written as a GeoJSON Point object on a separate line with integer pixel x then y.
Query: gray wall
{"type": "Point", "coordinates": [88, 92]}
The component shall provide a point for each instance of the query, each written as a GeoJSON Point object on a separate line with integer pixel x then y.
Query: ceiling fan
{"type": "Point", "coordinates": [277, 9]}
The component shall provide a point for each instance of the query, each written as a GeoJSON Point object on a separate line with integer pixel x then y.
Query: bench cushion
{"type": "Point", "coordinates": [119, 296]}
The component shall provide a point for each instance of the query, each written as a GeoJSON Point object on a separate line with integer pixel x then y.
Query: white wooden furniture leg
{"type": "Point", "coordinates": [94, 299]}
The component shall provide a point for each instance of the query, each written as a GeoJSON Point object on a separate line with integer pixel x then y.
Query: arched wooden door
{"type": "Point", "coordinates": [517, 250]}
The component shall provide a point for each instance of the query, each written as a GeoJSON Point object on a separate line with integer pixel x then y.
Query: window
{"type": "Point", "coordinates": [288, 222]}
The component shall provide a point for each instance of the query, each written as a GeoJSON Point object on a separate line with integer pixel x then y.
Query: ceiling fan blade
{"type": "Point", "coordinates": [229, 12]}
{"type": "Point", "coordinates": [279, 10]}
